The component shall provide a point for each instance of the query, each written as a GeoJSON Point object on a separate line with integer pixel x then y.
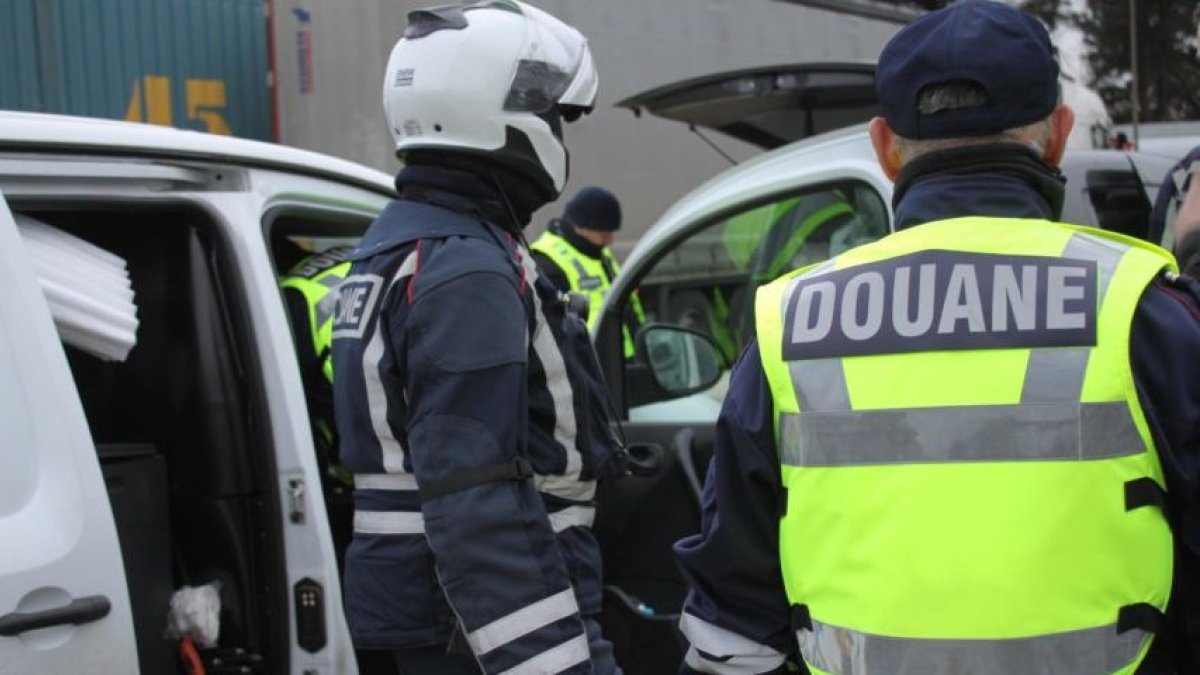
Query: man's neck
{"type": "Point", "coordinates": [1006, 181]}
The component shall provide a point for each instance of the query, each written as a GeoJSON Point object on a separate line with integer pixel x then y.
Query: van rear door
{"type": "Point", "coordinates": [64, 604]}
{"type": "Point", "coordinates": [771, 106]}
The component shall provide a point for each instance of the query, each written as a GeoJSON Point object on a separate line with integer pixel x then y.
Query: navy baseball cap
{"type": "Point", "coordinates": [1003, 50]}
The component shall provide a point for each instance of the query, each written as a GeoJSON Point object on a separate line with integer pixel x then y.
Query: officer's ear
{"type": "Point", "coordinates": [887, 150]}
{"type": "Point", "coordinates": [1062, 120]}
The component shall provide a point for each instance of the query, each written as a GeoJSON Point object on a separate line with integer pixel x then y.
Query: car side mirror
{"type": "Point", "coordinates": [682, 361]}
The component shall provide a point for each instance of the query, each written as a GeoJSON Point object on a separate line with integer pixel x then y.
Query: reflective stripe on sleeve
{"type": "Point", "coordinates": [572, 516]}
{"type": "Point", "coordinates": [524, 621]}
{"type": "Point", "coordinates": [377, 404]}
{"type": "Point", "coordinates": [385, 481]}
{"type": "Point", "coordinates": [738, 654]}
{"type": "Point", "coordinates": [389, 522]}
{"type": "Point", "coordinates": [567, 485]}
{"type": "Point", "coordinates": [1027, 432]}
{"type": "Point", "coordinates": [841, 651]}
{"type": "Point", "coordinates": [554, 660]}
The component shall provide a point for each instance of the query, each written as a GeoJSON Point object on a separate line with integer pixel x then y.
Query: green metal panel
{"type": "Point", "coordinates": [18, 55]}
{"type": "Point", "coordinates": [194, 64]}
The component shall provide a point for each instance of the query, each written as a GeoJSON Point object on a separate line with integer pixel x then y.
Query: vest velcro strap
{"type": "Point", "coordinates": [518, 468]}
{"type": "Point", "coordinates": [800, 618]}
{"type": "Point", "coordinates": [1144, 492]}
{"type": "Point", "coordinates": [1141, 616]}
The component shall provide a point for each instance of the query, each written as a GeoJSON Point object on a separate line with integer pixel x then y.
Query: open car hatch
{"type": "Point", "coordinates": [770, 106]}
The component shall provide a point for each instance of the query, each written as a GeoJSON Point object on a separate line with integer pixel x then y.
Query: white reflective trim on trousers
{"type": "Point", "coordinates": [377, 405]}
{"type": "Point", "coordinates": [739, 654]}
{"type": "Point", "coordinates": [572, 516]}
{"type": "Point", "coordinates": [524, 621]}
{"type": "Point", "coordinates": [567, 485]}
{"type": "Point", "coordinates": [554, 660]}
{"type": "Point", "coordinates": [981, 433]}
{"type": "Point", "coordinates": [385, 481]}
{"type": "Point", "coordinates": [1094, 651]}
{"type": "Point", "coordinates": [389, 522]}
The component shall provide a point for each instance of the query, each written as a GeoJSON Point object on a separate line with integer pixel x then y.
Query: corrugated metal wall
{"type": "Point", "coordinates": [196, 64]}
{"type": "Point", "coordinates": [330, 62]}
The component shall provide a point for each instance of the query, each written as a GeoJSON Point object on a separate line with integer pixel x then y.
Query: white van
{"type": "Point", "coordinates": [153, 427]}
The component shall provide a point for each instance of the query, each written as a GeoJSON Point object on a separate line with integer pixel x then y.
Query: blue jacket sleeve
{"type": "Point", "coordinates": [1165, 351]}
{"type": "Point", "coordinates": [466, 348]}
{"type": "Point", "coordinates": [736, 613]}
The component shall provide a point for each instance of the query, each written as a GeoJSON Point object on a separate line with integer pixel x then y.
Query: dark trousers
{"type": "Point", "coordinates": [420, 661]}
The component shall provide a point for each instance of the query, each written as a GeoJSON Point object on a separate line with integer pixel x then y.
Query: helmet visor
{"type": "Point", "coordinates": [537, 87]}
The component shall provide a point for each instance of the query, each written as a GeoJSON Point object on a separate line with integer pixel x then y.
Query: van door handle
{"type": "Point", "coordinates": [83, 610]}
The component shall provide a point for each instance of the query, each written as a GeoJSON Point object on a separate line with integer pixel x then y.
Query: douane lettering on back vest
{"type": "Point", "coordinates": [942, 300]}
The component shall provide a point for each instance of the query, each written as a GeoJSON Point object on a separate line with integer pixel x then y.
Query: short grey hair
{"type": "Point", "coordinates": [957, 95]}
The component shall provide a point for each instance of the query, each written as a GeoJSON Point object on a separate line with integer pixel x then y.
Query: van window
{"type": "Point", "coordinates": [181, 432]}
{"type": "Point", "coordinates": [706, 280]}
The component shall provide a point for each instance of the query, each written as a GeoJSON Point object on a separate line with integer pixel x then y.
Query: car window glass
{"type": "Point", "coordinates": [706, 281]}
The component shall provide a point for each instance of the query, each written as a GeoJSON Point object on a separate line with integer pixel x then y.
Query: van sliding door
{"type": "Point", "coordinates": [64, 605]}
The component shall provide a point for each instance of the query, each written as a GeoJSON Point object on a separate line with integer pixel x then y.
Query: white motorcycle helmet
{"type": "Point", "coordinates": [494, 79]}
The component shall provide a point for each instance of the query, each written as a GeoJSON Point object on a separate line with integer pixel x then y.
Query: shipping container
{"type": "Point", "coordinates": [193, 64]}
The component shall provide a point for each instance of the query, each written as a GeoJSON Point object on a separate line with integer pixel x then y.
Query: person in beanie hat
{"type": "Point", "coordinates": [970, 446]}
{"type": "Point", "coordinates": [574, 253]}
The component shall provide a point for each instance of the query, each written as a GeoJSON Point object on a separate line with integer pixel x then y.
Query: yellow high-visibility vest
{"type": "Point", "coordinates": [971, 486]}
{"type": "Point", "coordinates": [316, 282]}
{"type": "Point", "coordinates": [586, 275]}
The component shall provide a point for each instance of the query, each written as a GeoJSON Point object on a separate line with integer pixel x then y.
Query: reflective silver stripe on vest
{"type": "Point", "coordinates": [820, 385]}
{"type": "Point", "coordinates": [987, 433]}
{"type": "Point", "coordinates": [587, 282]}
{"type": "Point", "coordinates": [523, 621]}
{"type": "Point", "coordinates": [385, 481]}
{"type": "Point", "coordinates": [328, 303]}
{"type": "Point", "coordinates": [331, 281]}
{"type": "Point", "coordinates": [1106, 254]}
{"type": "Point", "coordinates": [840, 651]}
{"type": "Point", "coordinates": [1057, 374]}
{"type": "Point", "coordinates": [389, 522]}
{"type": "Point", "coordinates": [325, 307]}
